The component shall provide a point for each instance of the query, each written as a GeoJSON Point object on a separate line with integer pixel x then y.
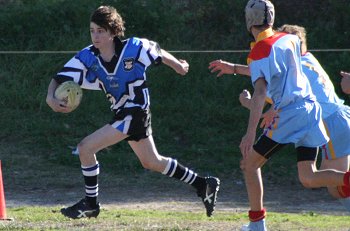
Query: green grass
{"type": "Point", "coordinates": [48, 218]}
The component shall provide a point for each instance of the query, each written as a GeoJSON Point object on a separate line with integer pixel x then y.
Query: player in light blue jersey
{"type": "Point", "coordinates": [118, 68]}
{"type": "Point", "coordinates": [276, 71]}
{"type": "Point", "coordinates": [336, 115]}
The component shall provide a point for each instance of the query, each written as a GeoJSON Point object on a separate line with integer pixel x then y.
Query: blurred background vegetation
{"type": "Point", "coordinates": [196, 119]}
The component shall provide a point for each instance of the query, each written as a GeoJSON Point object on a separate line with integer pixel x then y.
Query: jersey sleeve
{"type": "Point", "coordinates": [150, 53]}
{"type": "Point", "coordinates": [257, 72]}
{"type": "Point", "coordinates": [77, 71]}
{"type": "Point", "coordinates": [262, 58]}
{"type": "Point", "coordinates": [73, 70]}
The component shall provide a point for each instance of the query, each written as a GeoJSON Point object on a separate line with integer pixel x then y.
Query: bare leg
{"type": "Point", "coordinates": [310, 177]}
{"type": "Point", "coordinates": [148, 155]}
{"type": "Point", "coordinates": [252, 174]}
{"type": "Point", "coordinates": [341, 164]}
{"type": "Point", "coordinates": [207, 188]}
{"type": "Point", "coordinates": [100, 139]}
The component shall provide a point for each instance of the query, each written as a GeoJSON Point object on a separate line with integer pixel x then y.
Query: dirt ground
{"type": "Point", "coordinates": [168, 194]}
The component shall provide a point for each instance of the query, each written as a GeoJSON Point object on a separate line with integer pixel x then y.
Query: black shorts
{"type": "Point", "coordinates": [135, 122]}
{"type": "Point", "coordinates": [267, 147]}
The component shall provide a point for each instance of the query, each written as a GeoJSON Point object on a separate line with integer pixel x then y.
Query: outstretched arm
{"type": "Point", "coordinates": [223, 67]}
{"type": "Point", "coordinates": [180, 66]}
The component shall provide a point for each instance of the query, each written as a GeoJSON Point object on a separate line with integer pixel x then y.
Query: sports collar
{"type": "Point", "coordinates": [119, 45]}
{"type": "Point", "coordinates": [263, 35]}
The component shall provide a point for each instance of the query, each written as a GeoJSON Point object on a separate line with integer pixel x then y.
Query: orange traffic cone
{"type": "Point", "coordinates": [2, 198]}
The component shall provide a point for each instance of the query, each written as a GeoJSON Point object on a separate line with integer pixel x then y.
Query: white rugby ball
{"type": "Point", "coordinates": [71, 93]}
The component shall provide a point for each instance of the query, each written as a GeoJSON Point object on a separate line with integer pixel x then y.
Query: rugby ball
{"type": "Point", "coordinates": [71, 93]}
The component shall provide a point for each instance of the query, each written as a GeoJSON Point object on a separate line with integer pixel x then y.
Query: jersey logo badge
{"type": "Point", "coordinates": [128, 64]}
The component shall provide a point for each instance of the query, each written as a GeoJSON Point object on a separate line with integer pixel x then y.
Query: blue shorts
{"type": "Point", "coordinates": [299, 123]}
{"type": "Point", "coordinates": [338, 130]}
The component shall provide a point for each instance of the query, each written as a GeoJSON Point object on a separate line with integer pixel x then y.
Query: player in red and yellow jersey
{"type": "Point", "coordinates": [276, 72]}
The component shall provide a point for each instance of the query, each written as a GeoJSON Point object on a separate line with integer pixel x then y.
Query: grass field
{"type": "Point", "coordinates": [47, 218]}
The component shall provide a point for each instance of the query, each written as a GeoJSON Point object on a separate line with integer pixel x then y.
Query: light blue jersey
{"type": "Point", "coordinates": [276, 58]}
{"type": "Point", "coordinates": [335, 114]}
{"type": "Point", "coordinates": [321, 85]}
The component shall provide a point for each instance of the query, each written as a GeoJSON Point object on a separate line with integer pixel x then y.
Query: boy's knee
{"type": "Point", "coordinates": [248, 166]}
{"type": "Point", "coordinates": [307, 173]}
{"type": "Point", "coordinates": [146, 164]}
{"type": "Point", "coordinates": [81, 148]}
{"type": "Point", "coordinates": [306, 181]}
{"type": "Point", "coordinates": [150, 164]}
{"type": "Point", "coordinates": [84, 148]}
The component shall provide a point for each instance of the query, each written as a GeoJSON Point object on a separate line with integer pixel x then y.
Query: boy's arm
{"type": "Point", "coordinates": [55, 104]}
{"type": "Point", "coordinates": [180, 66]}
{"type": "Point", "coordinates": [258, 100]}
{"type": "Point", "coordinates": [224, 67]}
{"type": "Point", "coordinates": [267, 117]}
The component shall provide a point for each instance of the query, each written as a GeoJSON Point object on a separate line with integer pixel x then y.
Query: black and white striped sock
{"type": "Point", "coordinates": [90, 174]}
{"type": "Point", "coordinates": [178, 171]}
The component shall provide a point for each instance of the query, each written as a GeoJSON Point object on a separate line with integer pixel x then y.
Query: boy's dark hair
{"type": "Point", "coordinates": [108, 18]}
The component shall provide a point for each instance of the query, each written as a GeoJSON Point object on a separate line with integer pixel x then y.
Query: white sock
{"type": "Point", "coordinates": [255, 226]}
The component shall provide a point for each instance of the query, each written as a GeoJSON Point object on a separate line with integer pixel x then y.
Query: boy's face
{"type": "Point", "coordinates": [100, 37]}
